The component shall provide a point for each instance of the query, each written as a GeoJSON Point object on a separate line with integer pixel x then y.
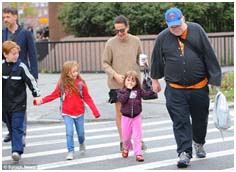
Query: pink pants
{"type": "Point", "coordinates": [132, 127]}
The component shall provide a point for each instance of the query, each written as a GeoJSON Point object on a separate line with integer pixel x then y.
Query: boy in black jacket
{"type": "Point", "coordinates": [15, 76]}
{"type": "Point", "coordinates": [13, 31]}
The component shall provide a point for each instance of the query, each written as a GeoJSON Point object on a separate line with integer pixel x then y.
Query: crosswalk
{"type": "Point", "coordinates": [46, 148]}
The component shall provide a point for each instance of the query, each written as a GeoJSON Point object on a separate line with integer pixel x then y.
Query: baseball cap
{"type": "Point", "coordinates": [173, 17]}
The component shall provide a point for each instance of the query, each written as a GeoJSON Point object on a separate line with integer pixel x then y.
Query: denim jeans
{"type": "Point", "coordinates": [17, 121]}
{"type": "Point", "coordinates": [79, 126]}
{"type": "Point", "coordinates": [6, 117]}
{"type": "Point", "coordinates": [25, 124]}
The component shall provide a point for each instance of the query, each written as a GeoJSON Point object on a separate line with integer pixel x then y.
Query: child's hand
{"type": "Point", "coordinates": [97, 116]}
{"type": "Point", "coordinates": [37, 101]}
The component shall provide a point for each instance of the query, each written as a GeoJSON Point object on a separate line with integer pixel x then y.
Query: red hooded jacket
{"type": "Point", "coordinates": [73, 104]}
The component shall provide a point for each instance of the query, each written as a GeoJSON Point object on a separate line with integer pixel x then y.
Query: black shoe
{"type": "Point", "coordinates": [7, 138]}
{"type": "Point", "coordinates": [184, 160]}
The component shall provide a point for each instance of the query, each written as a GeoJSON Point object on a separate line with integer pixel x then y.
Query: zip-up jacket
{"type": "Point", "coordinates": [131, 101]}
{"type": "Point", "coordinates": [14, 97]}
{"type": "Point", "coordinates": [28, 53]}
{"type": "Point", "coordinates": [73, 104]}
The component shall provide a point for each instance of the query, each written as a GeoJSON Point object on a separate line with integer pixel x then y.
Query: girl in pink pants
{"type": "Point", "coordinates": [131, 107]}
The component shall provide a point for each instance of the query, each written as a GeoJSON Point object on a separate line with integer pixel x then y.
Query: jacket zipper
{"type": "Point", "coordinates": [132, 110]}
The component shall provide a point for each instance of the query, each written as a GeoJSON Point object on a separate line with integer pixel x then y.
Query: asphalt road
{"type": "Point", "coordinates": [46, 148]}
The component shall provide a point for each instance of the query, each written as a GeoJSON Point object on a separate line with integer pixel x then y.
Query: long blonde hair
{"type": "Point", "coordinates": [66, 81]}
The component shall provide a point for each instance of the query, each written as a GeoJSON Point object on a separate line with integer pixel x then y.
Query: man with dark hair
{"type": "Point", "coordinates": [121, 54]}
{"type": "Point", "coordinates": [184, 56]}
{"type": "Point", "coordinates": [24, 38]}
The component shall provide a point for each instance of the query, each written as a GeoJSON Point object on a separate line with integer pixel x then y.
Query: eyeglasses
{"type": "Point", "coordinates": [119, 30]}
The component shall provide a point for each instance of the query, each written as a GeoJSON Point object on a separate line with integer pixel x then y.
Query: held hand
{"type": "Point", "coordinates": [37, 101]}
{"type": "Point", "coordinates": [97, 116]}
{"type": "Point", "coordinates": [119, 78]}
{"type": "Point", "coordinates": [146, 63]}
{"type": "Point", "coordinates": [156, 85]}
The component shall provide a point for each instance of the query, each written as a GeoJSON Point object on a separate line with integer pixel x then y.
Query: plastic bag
{"type": "Point", "coordinates": [221, 115]}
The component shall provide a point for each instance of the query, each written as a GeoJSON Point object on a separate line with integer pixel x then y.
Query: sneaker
{"type": "Point", "coordinates": [7, 138]}
{"type": "Point", "coordinates": [15, 156]}
{"type": "Point", "coordinates": [82, 148]}
{"type": "Point", "coordinates": [70, 156]}
{"type": "Point", "coordinates": [139, 158]}
{"type": "Point", "coordinates": [184, 160]}
{"type": "Point", "coordinates": [23, 141]}
{"type": "Point", "coordinates": [144, 147]}
{"type": "Point", "coordinates": [121, 146]}
{"type": "Point", "coordinates": [200, 152]}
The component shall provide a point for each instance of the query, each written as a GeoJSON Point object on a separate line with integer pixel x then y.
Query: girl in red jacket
{"type": "Point", "coordinates": [73, 92]}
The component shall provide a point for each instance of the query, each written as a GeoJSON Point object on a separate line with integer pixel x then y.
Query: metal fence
{"type": "Point", "coordinates": [51, 54]}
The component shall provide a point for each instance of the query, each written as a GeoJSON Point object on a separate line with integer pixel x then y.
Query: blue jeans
{"type": "Point", "coordinates": [17, 121]}
{"type": "Point", "coordinates": [79, 126]}
{"type": "Point", "coordinates": [25, 124]}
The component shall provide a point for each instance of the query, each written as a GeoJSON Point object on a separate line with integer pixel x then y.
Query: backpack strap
{"type": "Point", "coordinates": [80, 86]}
{"type": "Point", "coordinates": [192, 47]}
{"type": "Point", "coordinates": [62, 96]}
{"type": "Point", "coordinates": [62, 93]}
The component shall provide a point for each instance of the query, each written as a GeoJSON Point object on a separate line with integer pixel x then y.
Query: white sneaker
{"type": "Point", "coordinates": [82, 148]}
{"type": "Point", "coordinates": [15, 156]}
{"type": "Point", "coordinates": [70, 156]}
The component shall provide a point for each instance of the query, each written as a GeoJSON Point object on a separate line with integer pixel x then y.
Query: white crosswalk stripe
{"type": "Point", "coordinates": [46, 148]}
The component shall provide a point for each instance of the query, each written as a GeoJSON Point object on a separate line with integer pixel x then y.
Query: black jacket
{"type": "Point", "coordinates": [196, 64]}
{"type": "Point", "coordinates": [14, 88]}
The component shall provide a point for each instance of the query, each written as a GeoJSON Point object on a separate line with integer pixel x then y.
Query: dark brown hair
{"type": "Point", "coordinates": [11, 10]}
{"type": "Point", "coordinates": [133, 75]}
{"type": "Point", "coordinates": [121, 19]}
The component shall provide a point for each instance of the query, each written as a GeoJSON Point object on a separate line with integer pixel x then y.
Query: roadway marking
{"type": "Point", "coordinates": [118, 155]}
{"type": "Point", "coordinates": [153, 165]}
{"type": "Point", "coordinates": [58, 151]}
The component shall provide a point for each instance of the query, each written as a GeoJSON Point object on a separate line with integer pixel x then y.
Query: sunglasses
{"type": "Point", "coordinates": [120, 30]}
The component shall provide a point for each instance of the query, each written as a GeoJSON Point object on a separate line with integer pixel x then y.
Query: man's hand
{"type": "Point", "coordinates": [156, 85]}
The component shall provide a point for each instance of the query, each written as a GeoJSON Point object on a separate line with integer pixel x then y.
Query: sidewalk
{"type": "Point", "coordinates": [97, 84]}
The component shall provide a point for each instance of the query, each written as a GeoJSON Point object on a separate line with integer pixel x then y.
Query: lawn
{"type": "Point", "coordinates": [227, 87]}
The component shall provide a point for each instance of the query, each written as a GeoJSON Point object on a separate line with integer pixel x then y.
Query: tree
{"type": "Point", "coordinates": [96, 18]}
{"type": "Point", "coordinates": [24, 9]}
